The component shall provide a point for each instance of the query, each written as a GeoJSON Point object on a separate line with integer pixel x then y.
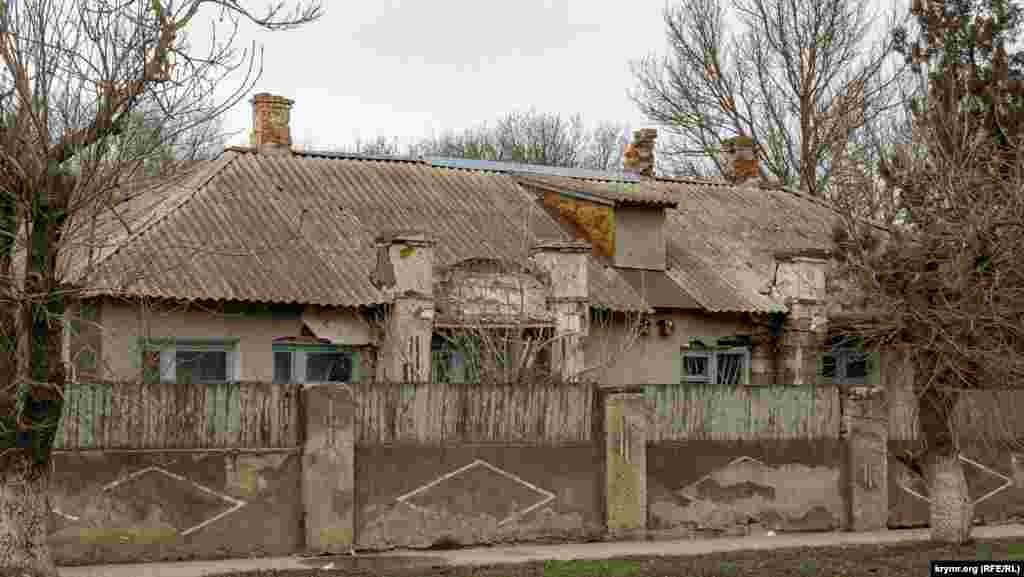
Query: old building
{"type": "Point", "coordinates": [275, 264]}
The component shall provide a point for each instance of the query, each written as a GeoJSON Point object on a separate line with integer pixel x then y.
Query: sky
{"type": "Point", "coordinates": [412, 68]}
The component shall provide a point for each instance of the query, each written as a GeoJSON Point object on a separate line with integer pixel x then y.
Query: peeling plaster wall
{"type": "Point", "coordinates": [122, 324]}
{"type": "Point", "coordinates": [491, 294]}
{"type": "Point", "coordinates": [114, 508]}
{"type": "Point", "coordinates": [655, 359]}
{"type": "Point", "coordinates": [741, 488]}
{"type": "Point", "coordinates": [415, 496]}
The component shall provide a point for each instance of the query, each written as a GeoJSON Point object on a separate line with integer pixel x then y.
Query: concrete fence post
{"type": "Point", "coordinates": [328, 469]}
{"type": "Point", "coordinates": [865, 468]}
{"type": "Point", "coordinates": [625, 429]}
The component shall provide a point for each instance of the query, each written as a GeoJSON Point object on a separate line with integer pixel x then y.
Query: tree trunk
{"type": "Point", "coordinates": [952, 511]}
{"type": "Point", "coordinates": [24, 516]}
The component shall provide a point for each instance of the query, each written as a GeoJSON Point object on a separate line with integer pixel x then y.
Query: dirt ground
{"type": "Point", "coordinates": [893, 560]}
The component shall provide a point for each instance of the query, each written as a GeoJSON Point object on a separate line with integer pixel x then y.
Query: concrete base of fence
{"type": "Point", "coordinates": [328, 469]}
{"type": "Point", "coordinates": [626, 460]}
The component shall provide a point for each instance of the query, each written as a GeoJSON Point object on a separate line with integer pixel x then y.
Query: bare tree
{"type": "Point", "coordinates": [608, 142]}
{"type": "Point", "coordinates": [944, 278]}
{"type": "Point", "coordinates": [477, 142]}
{"type": "Point", "coordinates": [77, 77]}
{"type": "Point", "coordinates": [535, 138]}
{"type": "Point", "coordinates": [800, 78]}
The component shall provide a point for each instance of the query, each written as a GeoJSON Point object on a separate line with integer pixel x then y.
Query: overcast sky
{"type": "Point", "coordinates": [404, 68]}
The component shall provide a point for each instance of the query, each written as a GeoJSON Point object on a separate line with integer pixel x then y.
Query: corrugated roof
{"type": "Point", "coordinates": [659, 289]}
{"type": "Point", "coordinates": [538, 169]}
{"type": "Point", "coordinates": [616, 193]}
{"type": "Point", "coordinates": [722, 241]}
{"type": "Point", "coordinates": [300, 228]}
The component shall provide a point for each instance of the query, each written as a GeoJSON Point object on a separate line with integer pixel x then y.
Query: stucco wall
{"type": "Point", "coordinates": [132, 507]}
{"type": "Point", "coordinates": [417, 496]}
{"type": "Point", "coordinates": [640, 238]}
{"type": "Point", "coordinates": [123, 324]}
{"type": "Point", "coordinates": [741, 488]}
{"type": "Point", "coordinates": [655, 358]}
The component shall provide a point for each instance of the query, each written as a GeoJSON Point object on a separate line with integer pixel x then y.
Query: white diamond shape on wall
{"type": "Point", "coordinates": [547, 496]}
{"type": "Point", "coordinates": [1007, 483]}
{"type": "Point", "coordinates": [235, 503]}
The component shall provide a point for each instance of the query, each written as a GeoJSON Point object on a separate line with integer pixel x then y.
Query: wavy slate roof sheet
{"type": "Point", "coordinates": [722, 241]}
{"type": "Point", "coordinates": [300, 229]}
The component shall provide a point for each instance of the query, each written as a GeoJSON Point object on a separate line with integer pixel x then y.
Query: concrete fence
{"type": "Point", "coordinates": [204, 471]}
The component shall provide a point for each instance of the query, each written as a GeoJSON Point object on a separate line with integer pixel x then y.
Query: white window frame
{"type": "Point", "coordinates": [169, 353]}
{"type": "Point", "coordinates": [712, 355]}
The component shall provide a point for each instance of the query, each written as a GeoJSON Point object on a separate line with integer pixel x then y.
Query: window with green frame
{"type": "Point", "coordinates": [186, 360]}
{"type": "Point", "coordinates": [315, 363]}
{"type": "Point", "coordinates": [725, 362]}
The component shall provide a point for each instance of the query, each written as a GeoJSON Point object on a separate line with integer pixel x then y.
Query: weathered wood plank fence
{"type": "Point", "coordinates": [432, 413]}
{"type": "Point", "coordinates": [262, 415]}
{"type": "Point", "coordinates": [981, 415]}
{"type": "Point", "coordinates": [686, 411]}
{"type": "Point", "coordinates": [177, 416]}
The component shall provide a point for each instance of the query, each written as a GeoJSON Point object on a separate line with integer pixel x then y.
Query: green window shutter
{"type": "Point", "coordinates": [357, 367]}
{"type": "Point", "coordinates": [874, 369]}
{"type": "Point", "coordinates": [827, 367]}
{"type": "Point", "coordinates": [677, 367]}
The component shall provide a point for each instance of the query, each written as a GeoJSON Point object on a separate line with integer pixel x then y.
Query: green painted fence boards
{"type": "Point", "coordinates": [691, 411]}
{"type": "Point", "coordinates": [179, 416]}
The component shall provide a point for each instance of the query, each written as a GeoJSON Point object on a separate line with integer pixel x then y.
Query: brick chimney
{"type": "Point", "coordinates": [271, 123]}
{"type": "Point", "coordinates": [740, 159]}
{"type": "Point", "coordinates": [639, 156]}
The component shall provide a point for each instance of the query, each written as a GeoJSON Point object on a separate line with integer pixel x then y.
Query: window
{"type": "Point", "coordinates": [496, 353]}
{"type": "Point", "coordinates": [315, 363]}
{"type": "Point", "coordinates": [190, 360]}
{"type": "Point", "coordinates": [454, 359]}
{"type": "Point", "coordinates": [725, 366]}
{"type": "Point", "coordinates": [846, 363]}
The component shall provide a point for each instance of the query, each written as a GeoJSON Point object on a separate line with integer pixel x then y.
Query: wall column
{"type": "Point", "coordinates": [328, 469]}
{"type": "Point", "coordinates": [625, 429]}
{"type": "Point", "coordinates": [800, 281]}
{"type": "Point", "coordinates": [569, 301]}
{"type": "Point", "coordinates": [405, 271]}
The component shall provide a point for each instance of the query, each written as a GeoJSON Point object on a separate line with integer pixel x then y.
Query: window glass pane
{"type": "Point", "coordinates": [856, 366]}
{"type": "Point", "coordinates": [729, 369]}
{"type": "Point", "coordinates": [328, 368]}
{"type": "Point", "coordinates": [282, 367]}
{"type": "Point", "coordinates": [201, 366]}
{"type": "Point", "coordinates": [696, 366]}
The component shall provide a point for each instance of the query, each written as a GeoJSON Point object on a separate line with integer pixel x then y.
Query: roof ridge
{"type": "Point", "coordinates": [186, 193]}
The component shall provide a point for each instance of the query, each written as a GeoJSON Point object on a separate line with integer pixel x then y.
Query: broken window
{"type": "Point", "coordinates": [724, 366]}
{"type": "Point", "coordinates": [315, 363]}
